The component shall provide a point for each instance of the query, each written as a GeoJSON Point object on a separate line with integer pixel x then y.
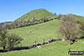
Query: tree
{"type": "Point", "coordinates": [13, 40]}
{"type": "Point", "coordinates": [68, 27]}
{"type": "Point", "coordinates": [3, 40]}
{"type": "Point", "coordinates": [59, 16]}
{"type": "Point", "coordinates": [82, 28]}
{"type": "Point", "coordinates": [8, 41]}
{"type": "Point", "coordinates": [7, 26]}
{"type": "Point", "coordinates": [45, 19]}
{"type": "Point", "coordinates": [55, 14]}
{"type": "Point", "coordinates": [17, 24]}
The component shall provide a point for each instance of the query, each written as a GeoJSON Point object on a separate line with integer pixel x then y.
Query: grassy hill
{"type": "Point", "coordinates": [78, 18]}
{"type": "Point", "coordinates": [33, 17]}
{"type": "Point", "coordinates": [38, 14]}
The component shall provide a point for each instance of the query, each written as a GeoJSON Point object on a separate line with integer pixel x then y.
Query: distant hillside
{"type": "Point", "coordinates": [78, 17]}
{"type": "Point", "coordinates": [3, 23]}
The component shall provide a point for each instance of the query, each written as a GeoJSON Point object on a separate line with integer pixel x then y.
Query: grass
{"type": "Point", "coordinates": [38, 14]}
{"type": "Point", "coordinates": [78, 18]}
{"type": "Point", "coordinates": [38, 32]}
{"type": "Point", "coordinates": [57, 48]}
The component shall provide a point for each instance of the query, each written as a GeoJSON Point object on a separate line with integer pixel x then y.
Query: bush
{"type": "Point", "coordinates": [13, 40]}
{"type": "Point", "coordinates": [8, 41]}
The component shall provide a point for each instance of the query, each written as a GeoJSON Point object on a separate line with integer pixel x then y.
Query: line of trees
{"type": "Point", "coordinates": [23, 23]}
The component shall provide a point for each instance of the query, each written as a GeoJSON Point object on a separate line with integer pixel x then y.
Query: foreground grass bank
{"type": "Point", "coordinates": [57, 48]}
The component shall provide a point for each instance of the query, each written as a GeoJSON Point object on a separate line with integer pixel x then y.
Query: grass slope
{"type": "Point", "coordinates": [38, 32]}
{"type": "Point", "coordinates": [38, 14]}
{"type": "Point", "coordinates": [53, 49]}
{"type": "Point", "coordinates": [78, 18]}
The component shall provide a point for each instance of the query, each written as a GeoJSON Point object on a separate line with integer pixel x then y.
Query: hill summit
{"type": "Point", "coordinates": [33, 17]}
{"type": "Point", "coordinates": [38, 14]}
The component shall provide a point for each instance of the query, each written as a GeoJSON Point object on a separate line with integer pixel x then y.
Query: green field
{"type": "Point", "coordinates": [38, 32]}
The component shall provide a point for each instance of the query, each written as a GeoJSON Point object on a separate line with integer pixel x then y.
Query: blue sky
{"type": "Point", "coordinates": [13, 9]}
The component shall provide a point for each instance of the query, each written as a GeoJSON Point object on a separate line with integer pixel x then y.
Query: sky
{"type": "Point", "coordinates": [10, 10]}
